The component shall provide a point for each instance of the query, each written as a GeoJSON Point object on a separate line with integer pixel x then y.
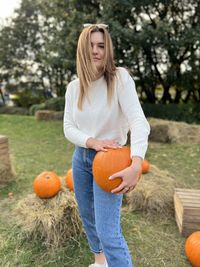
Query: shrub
{"type": "Point", "coordinates": [26, 99]}
{"type": "Point", "coordinates": [14, 110]}
{"type": "Point", "coordinates": [56, 104]}
{"type": "Point", "coordinates": [189, 113]}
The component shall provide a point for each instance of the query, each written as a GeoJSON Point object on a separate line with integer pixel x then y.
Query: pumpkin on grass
{"type": "Point", "coordinates": [192, 248]}
{"type": "Point", "coordinates": [69, 180]}
{"type": "Point", "coordinates": [47, 184]}
{"type": "Point", "coordinates": [107, 163]}
{"type": "Point", "coordinates": [145, 166]}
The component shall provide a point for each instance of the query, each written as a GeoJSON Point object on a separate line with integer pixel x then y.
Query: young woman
{"type": "Point", "coordinates": [101, 107]}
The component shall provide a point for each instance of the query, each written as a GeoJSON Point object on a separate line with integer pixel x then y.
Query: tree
{"type": "Point", "coordinates": [41, 46]}
{"type": "Point", "coordinates": [159, 42]}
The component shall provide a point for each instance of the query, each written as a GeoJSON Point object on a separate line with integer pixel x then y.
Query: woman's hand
{"type": "Point", "coordinates": [102, 145]}
{"type": "Point", "coordinates": [129, 175]}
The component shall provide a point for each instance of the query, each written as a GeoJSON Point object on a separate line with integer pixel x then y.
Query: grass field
{"type": "Point", "coordinates": [37, 146]}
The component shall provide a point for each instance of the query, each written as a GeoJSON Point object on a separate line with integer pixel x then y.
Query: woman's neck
{"type": "Point", "coordinates": [98, 75]}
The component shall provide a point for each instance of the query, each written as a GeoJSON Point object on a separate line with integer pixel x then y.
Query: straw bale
{"type": "Point", "coordinates": [165, 131]}
{"type": "Point", "coordinates": [48, 115]}
{"type": "Point", "coordinates": [52, 220]}
{"type": "Point", "coordinates": [153, 193]}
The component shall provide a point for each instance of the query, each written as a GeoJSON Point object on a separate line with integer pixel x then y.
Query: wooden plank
{"type": "Point", "coordinates": [4, 150]}
{"type": "Point", "coordinates": [191, 205]}
{"type": "Point", "coordinates": [187, 191]}
{"type": "Point", "coordinates": [189, 197]}
{"type": "Point", "coordinates": [3, 139]}
{"type": "Point", "coordinates": [181, 190]}
{"type": "Point", "coordinates": [190, 200]}
{"type": "Point", "coordinates": [179, 224]}
{"type": "Point", "coordinates": [191, 218]}
{"type": "Point", "coordinates": [187, 210]}
{"type": "Point", "coordinates": [191, 226]}
{"type": "Point", "coordinates": [191, 212]}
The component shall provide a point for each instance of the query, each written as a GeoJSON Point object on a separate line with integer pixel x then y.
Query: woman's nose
{"type": "Point", "coordinates": [94, 50]}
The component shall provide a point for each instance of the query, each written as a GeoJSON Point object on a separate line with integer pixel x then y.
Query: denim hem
{"type": "Point", "coordinates": [96, 252]}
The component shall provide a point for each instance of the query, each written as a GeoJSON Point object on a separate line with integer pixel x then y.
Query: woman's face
{"type": "Point", "coordinates": [97, 44]}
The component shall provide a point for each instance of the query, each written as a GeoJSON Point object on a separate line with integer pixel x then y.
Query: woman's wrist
{"type": "Point", "coordinates": [136, 163]}
{"type": "Point", "coordinates": [90, 142]}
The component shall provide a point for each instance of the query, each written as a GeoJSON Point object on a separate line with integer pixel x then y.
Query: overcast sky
{"type": "Point", "coordinates": [7, 7]}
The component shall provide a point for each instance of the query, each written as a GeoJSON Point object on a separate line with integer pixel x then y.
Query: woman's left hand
{"type": "Point", "coordinates": [129, 175]}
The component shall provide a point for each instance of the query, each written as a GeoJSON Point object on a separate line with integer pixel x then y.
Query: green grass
{"type": "Point", "coordinates": [37, 146]}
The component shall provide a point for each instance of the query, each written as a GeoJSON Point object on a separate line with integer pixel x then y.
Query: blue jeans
{"type": "Point", "coordinates": [99, 211]}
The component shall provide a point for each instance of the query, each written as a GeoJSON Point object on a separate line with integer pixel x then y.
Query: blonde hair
{"type": "Point", "coordinates": [86, 70]}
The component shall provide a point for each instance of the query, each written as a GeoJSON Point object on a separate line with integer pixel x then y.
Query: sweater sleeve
{"type": "Point", "coordinates": [132, 110]}
{"type": "Point", "coordinates": [71, 131]}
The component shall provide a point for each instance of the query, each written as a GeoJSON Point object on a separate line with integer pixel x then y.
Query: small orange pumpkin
{"type": "Point", "coordinates": [69, 180]}
{"type": "Point", "coordinates": [107, 163]}
{"type": "Point", "coordinates": [192, 248]}
{"type": "Point", "coordinates": [145, 166]}
{"type": "Point", "coordinates": [47, 184]}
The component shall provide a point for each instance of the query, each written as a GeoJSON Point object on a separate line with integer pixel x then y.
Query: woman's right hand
{"type": "Point", "coordinates": [102, 145]}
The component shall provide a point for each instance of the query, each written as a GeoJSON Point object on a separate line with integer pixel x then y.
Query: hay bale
{"type": "Point", "coordinates": [153, 193]}
{"type": "Point", "coordinates": [165, 131]}
{"type": "Point", "coordinates": [48, 115]}
{"type": "Point", "coordinates": [53, 220]}
{"type": "Point", "coordinates": [7, 172]}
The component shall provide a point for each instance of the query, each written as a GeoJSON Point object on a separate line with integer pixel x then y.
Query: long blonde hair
{"type": "Point", "coordinates": [86, 70]}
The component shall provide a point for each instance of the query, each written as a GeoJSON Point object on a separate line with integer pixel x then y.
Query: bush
{"type": "Point", "coordinates": [26, 99]}
{"type": "Point", "coordinates": [189, 113]}
{"type": "Point", "coordinates": [36, 107]}
{"type": "Point", "coordinates": [14, 110]}
{"type": "Point", "coordinates": [56, 104]}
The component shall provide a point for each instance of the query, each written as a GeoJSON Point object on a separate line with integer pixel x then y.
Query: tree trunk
{"type": "Point", "coordinates": [178, 96]}
{"type": "Point", "coordinates": [2, 96]}
{"type": "Point", "coordinates": [166, 96]}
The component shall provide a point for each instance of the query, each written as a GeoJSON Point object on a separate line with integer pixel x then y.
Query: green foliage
{"type": "Point", "coordinates": [157, 40]}
{"type": "Point", "coordinates": [36, 107]}
{"type": "Point", "coordinates": [13, 110]}
{"type": "Point", "coordinates": [26, 99]}
{"type": "Point", "coordinates": [56, 104]}
{"type": "Point", "coordinates": [189, 113]}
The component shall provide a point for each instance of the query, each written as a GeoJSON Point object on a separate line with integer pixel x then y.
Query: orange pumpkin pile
{"type": "Point", "coordinates": [192, 248]}
{"type": "Point", "coordinates": [69, 180]}
{"type": "Point", "coordinates": [47, 184]}
{"type": "Point", "coordinates": [107, 163]}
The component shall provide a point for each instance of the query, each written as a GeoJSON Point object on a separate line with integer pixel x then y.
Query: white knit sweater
{"type": "Point", "coordinates": [101, 120]}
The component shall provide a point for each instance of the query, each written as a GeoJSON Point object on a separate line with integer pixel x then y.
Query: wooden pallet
{"type": "Point", "coordinates": [187, 210]}
{"type": "Point", "coordinates": [7, 172]}
{"type": "Point", "coordinates": [3, 146]}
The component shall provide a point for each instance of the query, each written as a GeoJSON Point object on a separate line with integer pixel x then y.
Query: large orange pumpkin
{"type": "Point", "coordinates": [107, 163]}
{"type": "Point", "coordinates": [192, 248]}
{"type": "Point", "coordinates": [69, 180]}
{"type": "Point", "coordinates": [47, 184]}
{"type": "Point", "coordinates": [145, 166]}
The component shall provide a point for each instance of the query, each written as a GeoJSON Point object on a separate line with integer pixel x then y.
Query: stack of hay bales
{"type": "Point", "coordinates": [6, 169]}
{"type": "Point", "coordinates": [153, 193]}
{"type": "Point", "coordinates": [165, 131]}
{"type": "Point", "coordinates": [52, 220]}
{"type": "Point", "coordinates": [48, 115]}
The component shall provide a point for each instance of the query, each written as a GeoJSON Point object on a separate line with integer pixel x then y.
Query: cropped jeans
{"type": "Point", "coordinates": [99, 211]}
